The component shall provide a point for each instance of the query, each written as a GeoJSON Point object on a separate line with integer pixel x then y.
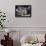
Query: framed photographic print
{"type": "Point", "coordinates": [23, 11]}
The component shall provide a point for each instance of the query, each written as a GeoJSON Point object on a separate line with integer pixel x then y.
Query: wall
{"type": "Point", "coordinates": [36, 23]}
{"type": "Point", "coordinates": [25, 25]}
{"type": "Point", "coordinates": [38, 18]}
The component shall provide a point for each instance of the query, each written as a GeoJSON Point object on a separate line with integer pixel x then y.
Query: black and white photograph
{"type": "Point", "coordinates": [23, 11]}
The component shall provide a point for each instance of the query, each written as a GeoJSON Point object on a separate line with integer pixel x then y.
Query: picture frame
{"type": "Point", "coordinates": [23, 11]}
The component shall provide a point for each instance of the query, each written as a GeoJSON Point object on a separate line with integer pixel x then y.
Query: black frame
{"type": "Point", "coordinates": [23, 6]}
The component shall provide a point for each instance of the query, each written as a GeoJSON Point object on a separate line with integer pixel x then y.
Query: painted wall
{"type": "Point", "coordinates": [37, 22]}
{"type": "Point", "coordinates": [38, 18]}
